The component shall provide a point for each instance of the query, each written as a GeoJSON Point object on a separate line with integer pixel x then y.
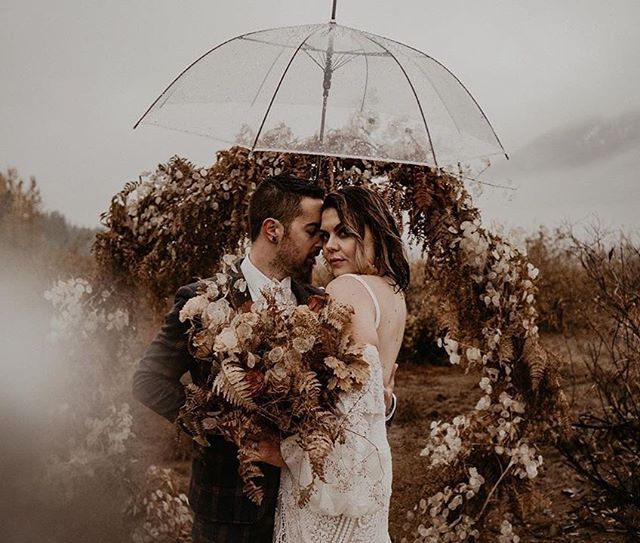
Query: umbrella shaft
{"type": "Point", "coordinates": [324, 115]}
{"type": "Point", "coordinates": [326, 83]}
{"type": "Point", "coordinates": [333, 10]}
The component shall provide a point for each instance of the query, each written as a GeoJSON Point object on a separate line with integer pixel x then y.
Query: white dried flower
{"type": "Point", "coordinates": [194, 307]}
{"type": "Point", "coordinates": [276, 354]}
{"type": "Point", "coordinates": [226, 340]}
{"type": "Point", "coordinates": [217, 313]}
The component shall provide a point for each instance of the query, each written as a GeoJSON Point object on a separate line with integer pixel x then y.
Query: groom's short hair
{"type": "Point", "coordinates": [278, 197]}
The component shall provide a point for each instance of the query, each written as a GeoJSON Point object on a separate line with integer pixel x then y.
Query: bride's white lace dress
{"type": "Point", "coordinates": [352, 506]}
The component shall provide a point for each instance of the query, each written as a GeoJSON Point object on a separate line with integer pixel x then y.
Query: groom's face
{"type": "Point", "coordinates": [301, 244]}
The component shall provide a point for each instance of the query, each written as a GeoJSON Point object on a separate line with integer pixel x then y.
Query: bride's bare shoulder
{"type": "Point", "coordinates": [343, 286]}
{"type": "Point", "coordinates": [348, 289]}
{"type": "Point", "coordinates": [383, 287]}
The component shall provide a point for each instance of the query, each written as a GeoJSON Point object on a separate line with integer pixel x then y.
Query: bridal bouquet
{"type": "Point", "coordinates": [276, 369]}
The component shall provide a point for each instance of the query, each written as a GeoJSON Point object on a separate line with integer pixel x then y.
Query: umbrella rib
{"type": "Point", "coordinates": [266, 76]}
{"type": "Point", "coordinates": [312, 59]}
{"type": "Point", "coordinates": [461, 84]}
{"type": "Point", "coordinates": [366, 71]}
{"type": "Point", "coordinates": [366, 82]}
{"type": "Point", "coordinates": [415, 94]}
{"type": "Point", "coordinates": [284, 73]}
{"type": "Point", "coordinates": [344, 60]}
{"type": "Point", "coordinates": [243, 36]}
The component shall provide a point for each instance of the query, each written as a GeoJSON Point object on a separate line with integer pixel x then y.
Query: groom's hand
{"type": "Point", "coordinates": [268, 450]}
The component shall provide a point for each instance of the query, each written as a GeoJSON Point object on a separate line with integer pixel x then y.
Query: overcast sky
{"type": "Point", "coordinates": [559, 79]}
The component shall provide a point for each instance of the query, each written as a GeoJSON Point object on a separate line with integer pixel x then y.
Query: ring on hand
{"type": "Point", "coordinates": [254, 445]}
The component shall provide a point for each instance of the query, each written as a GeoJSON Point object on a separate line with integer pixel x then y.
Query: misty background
{"type": "Point", "coordinates": [559, 80]}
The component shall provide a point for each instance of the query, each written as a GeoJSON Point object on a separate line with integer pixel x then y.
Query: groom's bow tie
{"type": "Point", "coordinates": [283, 289]}
{"type": "Point", "coordinates": [258, 281]}
{"type": "Point", "coordinates": [284, 284]}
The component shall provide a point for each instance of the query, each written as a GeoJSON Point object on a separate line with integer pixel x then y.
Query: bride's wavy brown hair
{"type": "Point", "coordinates": [360, 207]}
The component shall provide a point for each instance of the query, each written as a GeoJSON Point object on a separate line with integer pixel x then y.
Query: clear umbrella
{"type": "Point", "coordinates": [329, 90]}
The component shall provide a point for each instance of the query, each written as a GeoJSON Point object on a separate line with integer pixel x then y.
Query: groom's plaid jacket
{"type": "Point", "coordinates": [215, 491]}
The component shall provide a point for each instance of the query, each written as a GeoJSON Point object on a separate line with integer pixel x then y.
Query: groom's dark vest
{"type": "Point", "coordinates": [215, 491]}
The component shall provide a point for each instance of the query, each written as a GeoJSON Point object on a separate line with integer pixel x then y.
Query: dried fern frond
{"type": "Point", "coordinates": [536, 361]}
{"type": "Point", "coordinates": [318, 445]}
{"type": "Point", "coordinates": [349, 374]}
{"type": "Point", "coordinates": [232, 384]}
{"type": "Point", "coordinates": [308, 386]}
{"type": "Point", "coordinates": [250, 472]}
{"type": "Point", "coordinates": [191, 415]}
{"type": "Point", "coordinates": [505, 348]}
{"type": "Point", "coordinates": [336, 315]}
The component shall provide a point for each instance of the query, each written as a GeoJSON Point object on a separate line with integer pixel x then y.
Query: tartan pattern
{"type": "Point", "coordinates": [215, 490]}
{"type": "Point", "coordinates": [206, 531]}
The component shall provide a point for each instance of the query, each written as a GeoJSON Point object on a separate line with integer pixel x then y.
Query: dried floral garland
{"type": "Point", "coordinates": [276, 368]}
{"type": "Point", "coordinates": [177, 223]}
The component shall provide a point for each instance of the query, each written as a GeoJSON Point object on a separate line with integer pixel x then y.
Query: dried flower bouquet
{"type": "Point", "coordinates": [276, 369]}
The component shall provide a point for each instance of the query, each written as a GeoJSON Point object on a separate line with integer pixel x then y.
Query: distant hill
{"type": "Point", "coordinates": [579, 144]}
{"type": "Point", "coordinates": [578, 173]}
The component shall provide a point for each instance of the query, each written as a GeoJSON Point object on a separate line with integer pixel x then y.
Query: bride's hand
{"type": "Point", "coordinates": [388, 389]}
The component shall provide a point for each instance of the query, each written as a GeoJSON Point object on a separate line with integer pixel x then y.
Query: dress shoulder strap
{"type": "Point", "coordinates": [370, 291]}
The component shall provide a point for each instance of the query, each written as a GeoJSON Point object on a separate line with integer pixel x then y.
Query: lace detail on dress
{"type": "Point", "coordinates": [352, 504]}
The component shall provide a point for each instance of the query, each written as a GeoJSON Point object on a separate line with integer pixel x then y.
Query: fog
{"type": "Point", "coordinates": [39, 386]}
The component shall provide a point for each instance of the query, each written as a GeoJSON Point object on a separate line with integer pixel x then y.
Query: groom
{"type": "Point", "coordinates": [284, 224]}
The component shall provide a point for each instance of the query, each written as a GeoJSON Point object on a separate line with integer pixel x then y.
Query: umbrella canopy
{"type": "Point", "coordinates": [327, 89]}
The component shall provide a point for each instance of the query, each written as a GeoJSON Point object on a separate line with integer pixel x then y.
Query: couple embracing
{"type": "Point", "coordinates": [290, 222]}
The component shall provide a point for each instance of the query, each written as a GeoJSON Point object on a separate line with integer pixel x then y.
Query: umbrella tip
{"type": "Point", "coordinates": [333, 11]}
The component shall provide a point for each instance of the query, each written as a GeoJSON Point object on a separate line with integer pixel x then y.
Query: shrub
{"type": "Point", "coordinates": [564, 298]}
{"type": "Point", "coordinates": [421, 329]}
{"type": "Point", "coordinates": [605, 445]}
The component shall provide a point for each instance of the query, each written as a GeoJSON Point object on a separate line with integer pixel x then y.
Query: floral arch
{"type": "Point", "coordinates": [177, 222]}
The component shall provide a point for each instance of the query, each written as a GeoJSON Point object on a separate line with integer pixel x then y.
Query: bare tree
{"type": "Point", "coordinates": [605, 446]}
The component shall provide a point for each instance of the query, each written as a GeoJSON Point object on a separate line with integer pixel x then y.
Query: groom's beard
{"type": "Point", "coordinates": [303, 274]}
{"type": "Point", "coordinates": [286, 261]}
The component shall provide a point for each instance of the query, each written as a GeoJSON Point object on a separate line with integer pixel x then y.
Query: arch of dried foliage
{"type": "Point", "coordinates": [177, 222]}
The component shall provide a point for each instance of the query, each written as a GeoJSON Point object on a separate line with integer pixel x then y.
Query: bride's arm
{"type": "Point", "coordinates": [355, 470]}
{"type": "Point", "coordinates": [348, 291]}
{"type": "Point", "coordinates": [390, 400]}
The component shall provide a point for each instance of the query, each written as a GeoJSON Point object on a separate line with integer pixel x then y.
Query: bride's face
{"type": "Point", "coordinates": [340, 246]}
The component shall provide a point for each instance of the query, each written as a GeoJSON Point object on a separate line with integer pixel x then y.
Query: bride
{"type": "Point", "coordinates": [362, 245]}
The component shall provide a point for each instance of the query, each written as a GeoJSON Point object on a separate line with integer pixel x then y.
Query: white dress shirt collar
{"type": "Point", "coordinates": [258, 281]}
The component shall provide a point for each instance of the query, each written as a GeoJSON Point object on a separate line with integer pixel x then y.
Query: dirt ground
{"type": "Point", "coordinates": [426, 393]}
